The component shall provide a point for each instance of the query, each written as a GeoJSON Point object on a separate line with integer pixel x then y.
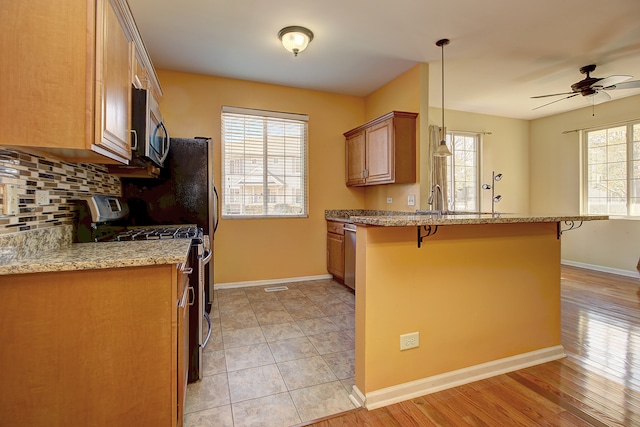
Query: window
{"type": "Point", "coordinates": [264, 164]}
{"type": "Point", "coordinates": [612, 170]}
{"type": "Point", "coordinates": [463, 171]}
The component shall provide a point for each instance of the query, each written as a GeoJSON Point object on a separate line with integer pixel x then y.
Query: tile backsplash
{"type": "Point", "coordinates": [64, 181]}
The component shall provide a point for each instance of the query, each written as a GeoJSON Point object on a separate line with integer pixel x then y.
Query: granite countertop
{"type": "Point", "coordinates": [66, 256]}
{"type": "Point", "coordinates": [405, 219]}
{"type": "Point", "coordinates": [345, 215]}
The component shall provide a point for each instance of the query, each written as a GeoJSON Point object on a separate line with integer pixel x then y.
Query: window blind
{"type": "Point", "coordinates": [264, 163]}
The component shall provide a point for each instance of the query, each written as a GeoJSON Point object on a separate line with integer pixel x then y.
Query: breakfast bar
{"type": "Point", "coordinates": [482, 291]}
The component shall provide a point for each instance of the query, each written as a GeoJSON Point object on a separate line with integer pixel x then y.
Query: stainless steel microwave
{"type": "Point", "coordinates": [150, 137]}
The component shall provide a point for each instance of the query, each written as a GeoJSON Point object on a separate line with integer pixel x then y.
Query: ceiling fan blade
{"type": "Point", "coordinates": [557, 100]}
{"type": "Point", "coordinates": [553, 94]}
{"type": "Point", "coordinates": [610, 81]}
{"type": "Point", "coordinates": [633, 84]}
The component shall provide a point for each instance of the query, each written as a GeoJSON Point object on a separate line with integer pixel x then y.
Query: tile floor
{"type": "Point", "coordinates": [276, 358]}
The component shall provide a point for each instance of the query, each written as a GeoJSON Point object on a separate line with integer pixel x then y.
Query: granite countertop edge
{"type": "Point", "coordinates": [405, 219]}
{"type": "Point", "coordinates": [419, 220]}
{"type": "Point", "coordinates": [91, 256]}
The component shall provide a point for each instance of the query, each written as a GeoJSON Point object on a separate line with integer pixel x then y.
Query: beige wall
{"type": "Point", "coordinates": [555, 185]}
{"type": "Point", "coordinates": [264, 249]}
{"type": "Point", "coordinates": [506, 151]}
{"type": "Point", "coordinates": [404, 93]}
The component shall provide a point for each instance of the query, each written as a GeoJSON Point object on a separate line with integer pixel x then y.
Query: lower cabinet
{"type": "Point", "coordinates": [94, 347]}
{"type": "Point", "coordinates": [183, 346]}
{"type": "Point", "coordinates": [335, 249]}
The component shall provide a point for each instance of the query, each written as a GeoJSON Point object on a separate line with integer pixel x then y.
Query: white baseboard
{"type": "Point", "coordinates": [231, 285]}
{"type": "Point", "coordinates": [356, 397]}
{"type": "Point", "coordinates": [620, 272]}
{"type": "Point", "coordinates": [421, 387]}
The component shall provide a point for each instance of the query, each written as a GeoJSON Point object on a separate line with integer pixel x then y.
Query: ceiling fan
{"type": "Point", "coordinates": [594, 87]}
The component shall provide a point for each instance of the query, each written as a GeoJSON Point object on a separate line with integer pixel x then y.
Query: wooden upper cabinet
{"type": "Point", "coordinates": [356, 158]}
{"type": "Point", "coordinates": [67, 70]}
{"type": "Point", "coordinates": [382, 151]}
{"type": "Point", "coordinates": [114, 69]}
{"type": "Point", "coordinates": [379, 154]}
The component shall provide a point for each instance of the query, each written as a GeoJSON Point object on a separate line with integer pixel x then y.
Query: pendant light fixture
{"type": "Point", "coordinates": [442, 150]}
{"type": "Point", "coordinates": [295, 39]}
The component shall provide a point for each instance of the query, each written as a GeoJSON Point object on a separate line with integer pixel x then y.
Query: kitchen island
{"type": "Point", "coordinates": [482, 291]}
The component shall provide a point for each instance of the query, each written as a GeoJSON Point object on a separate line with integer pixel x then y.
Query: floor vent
{"type": "Point", "coordinates": [276, 289]}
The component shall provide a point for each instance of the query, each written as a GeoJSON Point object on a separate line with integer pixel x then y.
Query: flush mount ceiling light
{"type": "Point", "coordinates": [295, 39]}
{"type": "Point", "coordinates": [442, 150]}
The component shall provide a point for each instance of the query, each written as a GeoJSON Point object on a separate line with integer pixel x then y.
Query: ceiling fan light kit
{"type": "Point", "coordinates": [295, 38]}
{"type": "Point", "coordinates": [593, 87]}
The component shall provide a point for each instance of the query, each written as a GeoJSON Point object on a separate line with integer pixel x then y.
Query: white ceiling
{"type": "Point", "coordinates": [502, 52]}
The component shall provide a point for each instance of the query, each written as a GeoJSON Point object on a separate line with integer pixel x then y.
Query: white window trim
{"type": "Point", "coordinates": [585, 166]}
{"type": "Point", "coordinates": [479, 137]}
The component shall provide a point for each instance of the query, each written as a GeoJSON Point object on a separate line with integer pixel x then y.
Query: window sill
{"type": "Point", "coordinates": [627, 218]}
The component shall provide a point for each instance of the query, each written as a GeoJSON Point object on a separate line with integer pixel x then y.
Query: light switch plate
{"type": "Point", "coordinates": [11, 201]}
{"type": "Point", "coordinates": [389, 199]}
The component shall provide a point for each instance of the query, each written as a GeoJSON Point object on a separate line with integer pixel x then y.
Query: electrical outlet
{"type": "Point", "coordinates": [408, 341]}
{"type": "Point", "coordinates": [389, 199]}
{"type": "Point", "coordinates": [411, 200]}
{"type": "Point", "coordinates": [42, 197]}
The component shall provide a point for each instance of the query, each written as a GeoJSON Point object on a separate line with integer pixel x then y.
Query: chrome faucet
{"type": "Point", "coordinates": [439, 201]}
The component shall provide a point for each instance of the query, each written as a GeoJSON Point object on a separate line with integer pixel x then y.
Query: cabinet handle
{"type": "Point", "coordinates": [206, 340]}
{"type": "Point", "coordinates": [134, 146]}
{"type": "Point", "coordinates": [192, 296]}
{"type": "Point", "coordinates": [187, 270]}
{"type": "Point", "coordinates": [365, 173]}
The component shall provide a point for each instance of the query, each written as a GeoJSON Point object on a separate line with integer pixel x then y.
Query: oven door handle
{"type": "Point", "coordinates": [206, 256]}
{"type": "Point", "coordinates": [206, 340]}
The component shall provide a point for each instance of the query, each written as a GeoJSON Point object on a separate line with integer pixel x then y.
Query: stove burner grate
{"type": "Point", "coordinates": [157, 233]}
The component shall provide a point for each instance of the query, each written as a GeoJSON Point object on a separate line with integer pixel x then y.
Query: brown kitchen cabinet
{"type": "Point", "coordinates": [335, 249]}
{"type": "Point", "coordinates": [67, 73]}
{"type": "Point", "coordinates": [102, 347]}
{"type": "Point", "coordinates": [183, 339]}
{"type": "Point", "coordinates": [382, 151]}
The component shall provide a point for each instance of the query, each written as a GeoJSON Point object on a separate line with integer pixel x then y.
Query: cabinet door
{"type": "Point", "coordinates": [335, 255]}
{"type": "Point", "coordinates": [183, 351]}
{"type": "Point", "coordinates": [114, 61]}
{"type": "Point", "coordinates": [379, 153]}
{"type": "Point", "coordinates": [44, 73]}
{"type": "Point", "coordinates": [99, 349]}
{"type": "Point", "coordinates": [355, 159]}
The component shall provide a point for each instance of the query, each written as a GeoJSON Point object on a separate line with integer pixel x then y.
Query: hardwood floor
{"type": "Point", "coordinates": [597, 384]}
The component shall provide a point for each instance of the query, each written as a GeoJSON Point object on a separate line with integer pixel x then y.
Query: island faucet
{"type": "Point", "coordinates": [439, 201]}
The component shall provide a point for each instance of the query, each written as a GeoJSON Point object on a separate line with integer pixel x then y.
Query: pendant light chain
{"type": "Point", "coordinates": [442, 49]}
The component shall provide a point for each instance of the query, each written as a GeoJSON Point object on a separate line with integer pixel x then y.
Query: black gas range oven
{"type": "Point", "coordinates": [105, 219]}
